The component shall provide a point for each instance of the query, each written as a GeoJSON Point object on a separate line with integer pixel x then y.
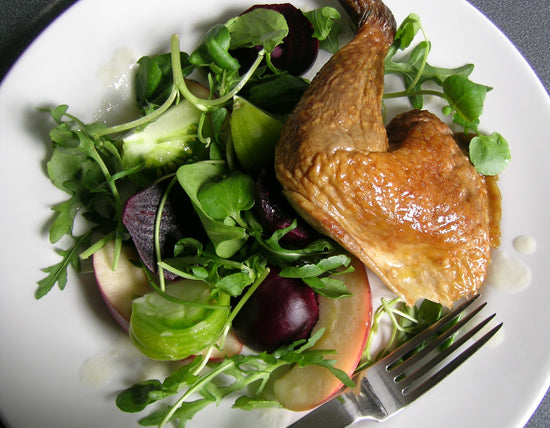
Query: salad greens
{"type": "Point", "coordinates": [212, 141]}
{"type": "Point", "coordinates": [246, 370]}
{"type": "Point", "coordinates": [490, 154]}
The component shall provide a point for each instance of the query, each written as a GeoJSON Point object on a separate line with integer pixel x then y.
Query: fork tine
{"type": "Point", "coordinates": [432, 362]}
{"type": "Point", "coordinates": [421, 337]}
{"type": "Point", "coordinates": [450, 367]}
{"type": "Point", "coordinates": [402, 367]}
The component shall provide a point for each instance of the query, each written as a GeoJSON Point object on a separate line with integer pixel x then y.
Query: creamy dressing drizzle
{"type": "Point", "coordinates": [507, 273]}
{"type": "Point", "coordinates": [524, 244]}
{"type": "Point", "coordinates": [118, 105]}
{"type": "Point", "coordinates": [120, 362]}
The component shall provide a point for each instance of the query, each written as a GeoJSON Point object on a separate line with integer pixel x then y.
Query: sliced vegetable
{"type": "Point", "coordinates": [254, 134]}
{"type": "Point", "coordinates": [165, 144]}
{"type": "Point", "coordinates": [173, 329]}
{"type": "Point", "coordinates": [178, 220]}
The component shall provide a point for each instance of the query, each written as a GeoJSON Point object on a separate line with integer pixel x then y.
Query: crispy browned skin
{"type": "Point", "coordinates": [407, 202]}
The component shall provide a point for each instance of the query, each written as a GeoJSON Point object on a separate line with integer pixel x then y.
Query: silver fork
{"type": "Point", "coordinates": [404, 375]}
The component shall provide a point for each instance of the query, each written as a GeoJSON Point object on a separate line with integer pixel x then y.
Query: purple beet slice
{"type": "Point", "coordinates": [274, 212]}
{"type": "Point", "coordinates": [299, 49]}
{"type": "Point", "coordinates": [178, 220]}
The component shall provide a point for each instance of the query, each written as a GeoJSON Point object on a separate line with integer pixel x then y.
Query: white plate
{"type": "Point", "coordinates": [45, 343]}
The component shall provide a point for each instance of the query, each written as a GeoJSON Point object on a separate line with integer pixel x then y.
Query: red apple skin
{"type": "Point", "coordinates": [347, 323]}
{"type": "Point", "coordinates": [119, 287]}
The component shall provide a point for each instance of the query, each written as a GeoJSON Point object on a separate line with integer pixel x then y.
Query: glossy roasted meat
{"type": "Point", "coordinates": [406, 201]}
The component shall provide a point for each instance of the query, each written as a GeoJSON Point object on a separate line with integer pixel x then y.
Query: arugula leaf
{"type": "Point", "coordinates": [57, 273]}
{"type": "Point", "coordinates": [243, 370]}
{"type": "Point", "coordinates": [315, 275]}
{"type": "Point", "coordinates": [230, 276]}
{"type": "Point", "coordinates": [328, 287]}
{"type": "Point", "coordinates": [81, 165]}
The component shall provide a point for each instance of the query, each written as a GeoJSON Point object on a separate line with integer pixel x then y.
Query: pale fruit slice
{"type": "Point", "coordinates": [119, 287]}
{"type": "Point", "coordinates": [347, 323]}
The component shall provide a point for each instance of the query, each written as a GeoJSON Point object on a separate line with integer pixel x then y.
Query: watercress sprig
{"type": "Point", "coordinates": [405, 322]}
{"type": "Point", "coordinates": [490, 154]}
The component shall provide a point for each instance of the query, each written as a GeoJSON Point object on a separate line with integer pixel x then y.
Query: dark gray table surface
{"type": "Point", "coordinates": [526, 23]}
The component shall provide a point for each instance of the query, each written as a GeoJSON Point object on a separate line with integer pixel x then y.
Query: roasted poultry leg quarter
{"type": "Point", "coordinates": [405, 200]}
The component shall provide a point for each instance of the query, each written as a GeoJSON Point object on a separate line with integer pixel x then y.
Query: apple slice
{"type": "Point", "coordinates": [120, 287]}
{"type": "Point", "coordinates": [347, 323]}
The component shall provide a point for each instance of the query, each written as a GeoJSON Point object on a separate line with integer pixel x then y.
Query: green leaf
{"type": "Point", "coordinates": [64, 219]}
{"type": "Point", "coordinates": [326, 27]}
{"type": "Point", "coordinates": [328, 287]}
{"type": "Point", "coordinates": [235, 283]}
{"type": "Point", "coordinates": [465, 96]}
{"type": "Point", "coordinates": [276, 94]}
{"type": "Point", "coordinates": [58, 112]}
{"type": "Point", "coordinates": [490, 154]}
{"type": "Point", "coordinates": [429, 312]}
{"type": "Point", "coordinates": [58, 272]}
{"type": "Point", "coordinates": [406, 32]}
{"type": "Point", "coordinates": [311, 270]}
{"type": "Point", "coordinates": [250, 403]}
{"type": "Point", "coordinates": [259, 27]}
{"type": "Point", "coordinates": [227, 239]}
{"type": "Point", "coordinates": [154, 79]}
{"type": "Point", "coordinates": [214, 48]}
{"type": "Point", "coordinates": [227, 197]}
{"type": "Point", "coordinates": [138, 397]}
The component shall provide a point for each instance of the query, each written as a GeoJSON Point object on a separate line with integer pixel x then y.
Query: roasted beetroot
{"type": "Point", "coordinates": [178, 220]}
{"type": "Point", "coordinates": [299, 49]}
{"type": "Point", "coordinates": [279, 312]}
{"type": "Point", "coordinates": [274, 212]}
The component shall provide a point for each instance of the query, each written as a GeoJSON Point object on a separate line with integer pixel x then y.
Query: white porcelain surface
{"type": "Point", "coordinates": [45, 343]}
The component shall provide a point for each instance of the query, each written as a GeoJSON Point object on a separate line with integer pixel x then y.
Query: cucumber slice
{"type": "Point", "coordinates": [168, 142]}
